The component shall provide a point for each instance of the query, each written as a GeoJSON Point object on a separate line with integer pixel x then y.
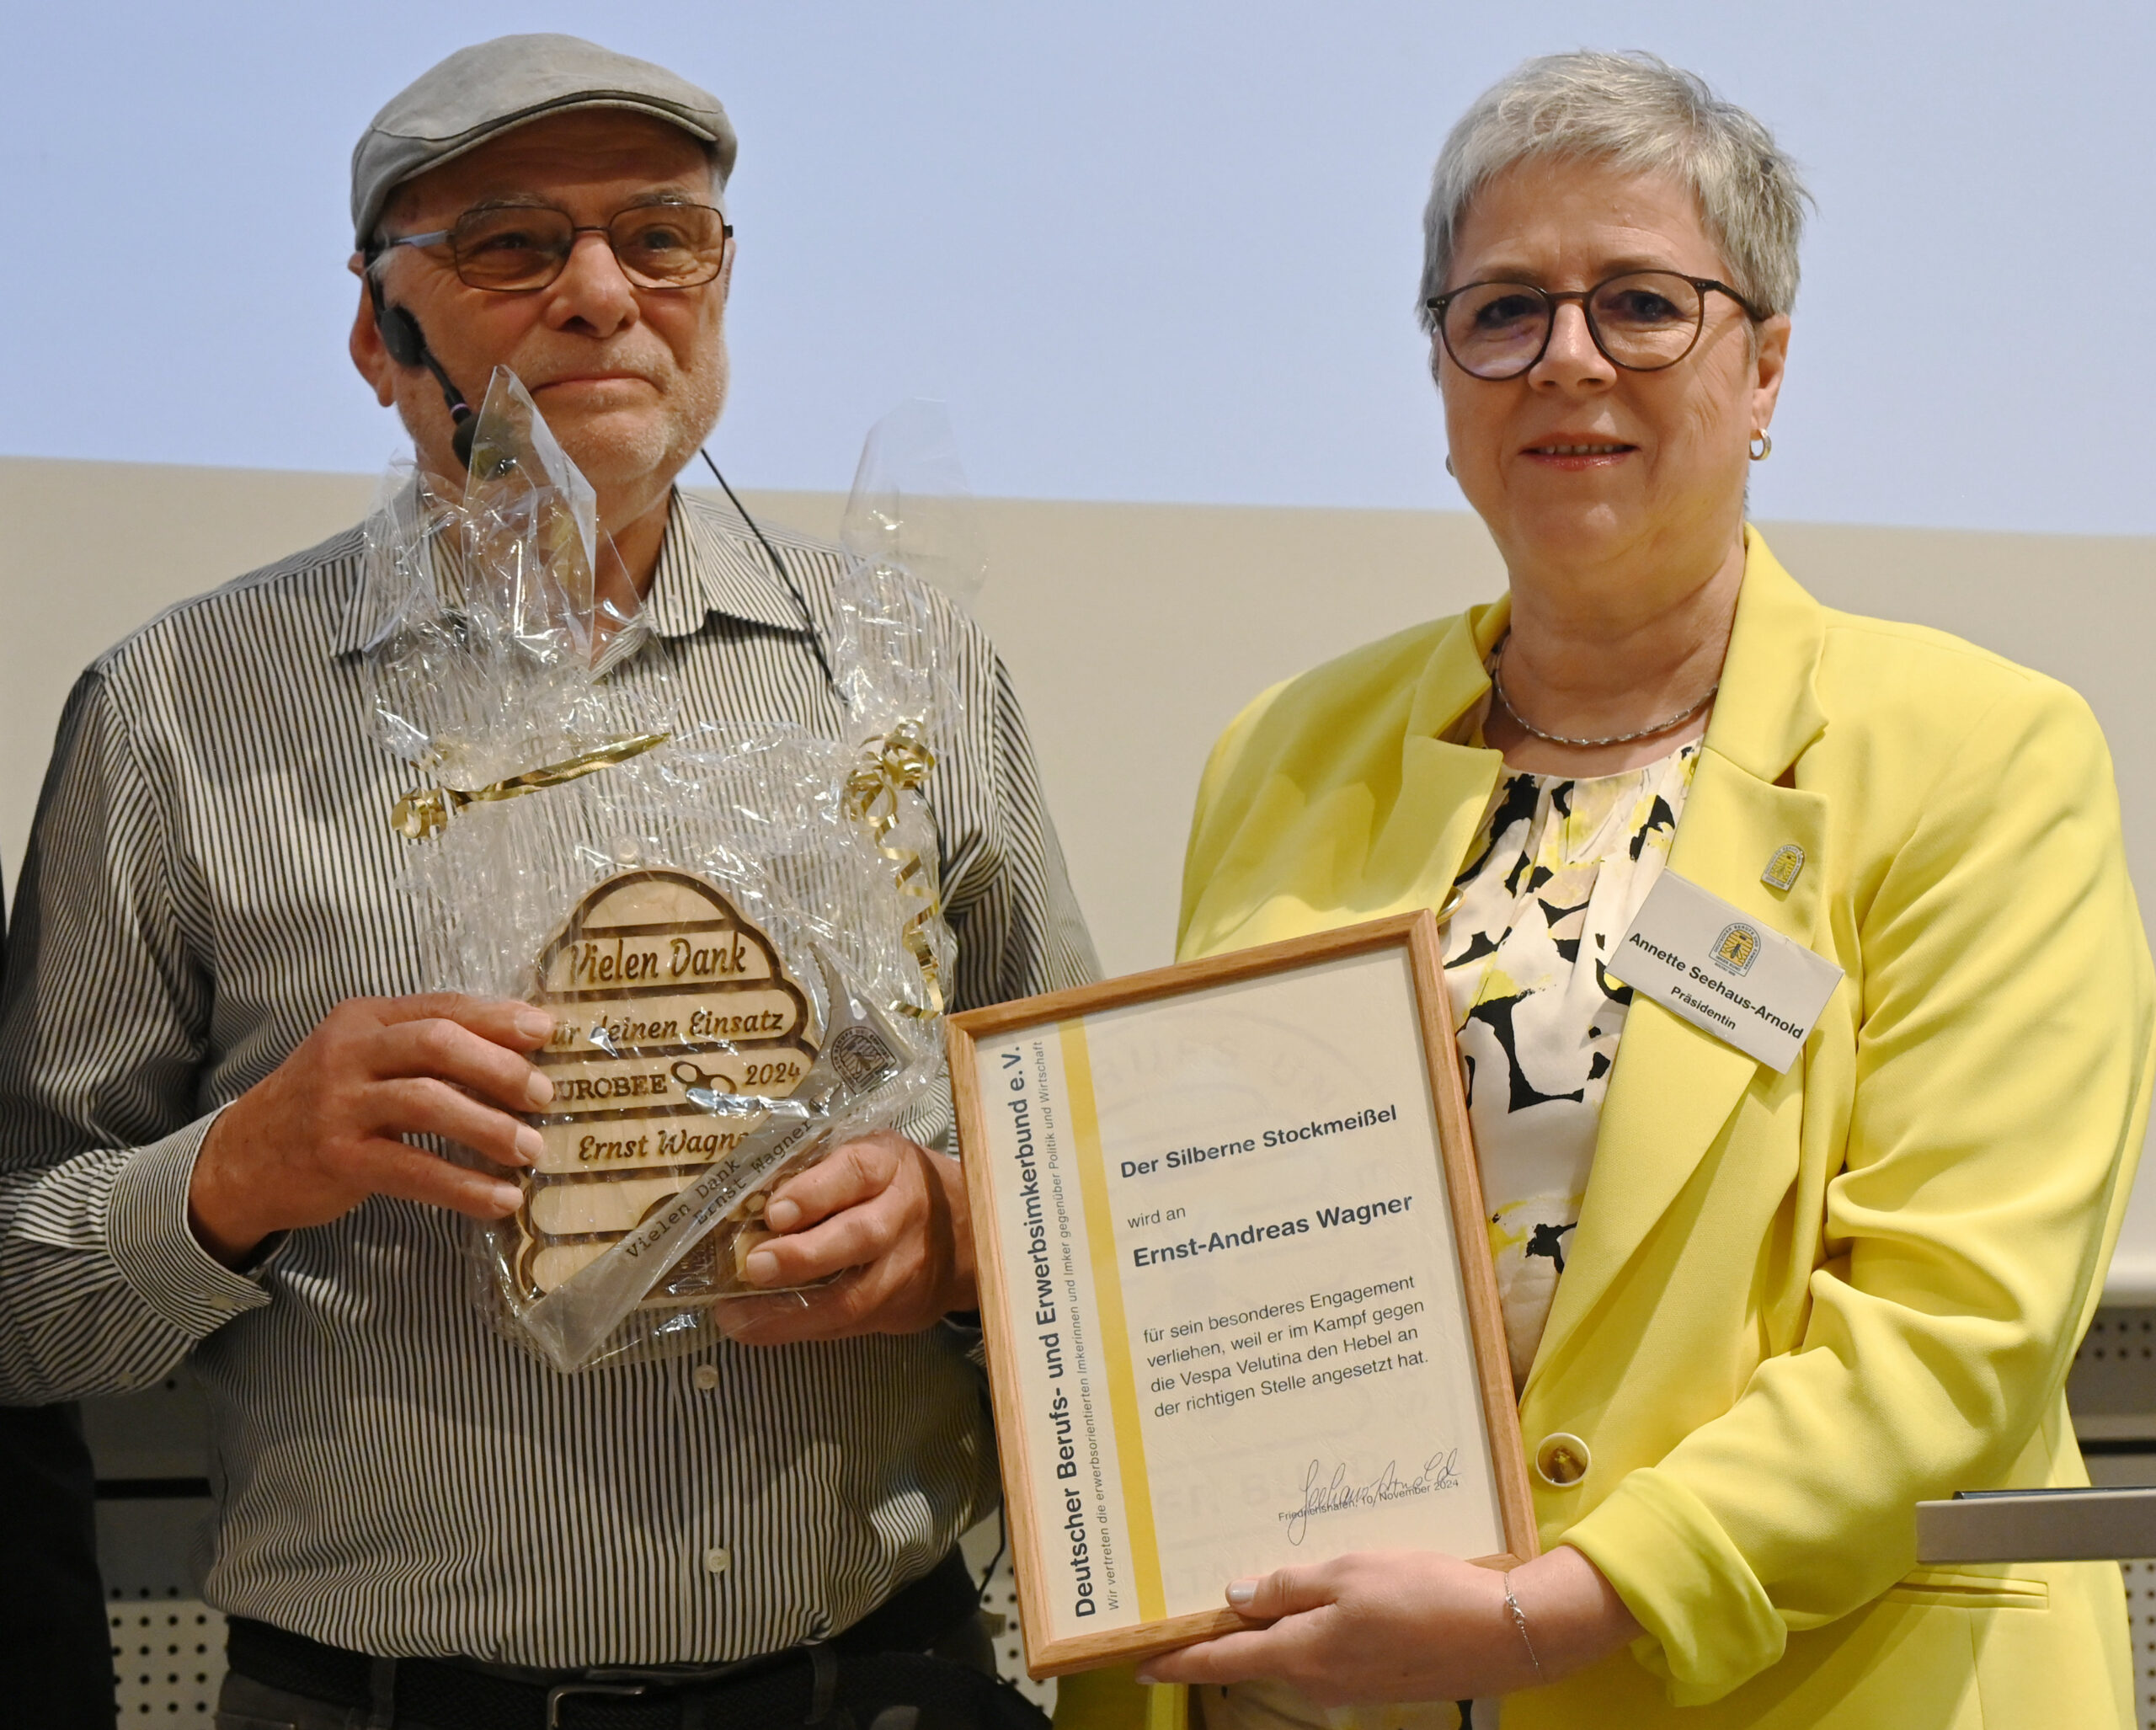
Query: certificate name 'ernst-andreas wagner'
{"type": "Point", "coordinates": [1237, 1310]}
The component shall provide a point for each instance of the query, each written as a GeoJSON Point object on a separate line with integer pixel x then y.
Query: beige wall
{"type": "Point", "coordinates": [1135, 633]}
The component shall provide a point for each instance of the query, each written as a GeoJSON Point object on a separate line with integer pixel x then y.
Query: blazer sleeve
{"type": "Point", "coordinates": [2003, 1069]}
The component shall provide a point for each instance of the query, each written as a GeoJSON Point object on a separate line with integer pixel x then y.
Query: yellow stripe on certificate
{"type": "Point", "coordinates": [1115, 1336]}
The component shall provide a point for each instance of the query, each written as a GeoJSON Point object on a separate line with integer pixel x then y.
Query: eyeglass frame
{"type": "Point", "coordinates": [1555, 298]}
{"type": "Point", "coordinates": [380, 248]}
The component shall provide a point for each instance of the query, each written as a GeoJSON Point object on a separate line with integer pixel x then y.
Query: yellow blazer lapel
{"type": "Point", "coordinates": [1674, 1086]}
{"type": "Point", "coordinates": [1356, 804]}
{"type": "Point", "coordinates": [1444, 787]}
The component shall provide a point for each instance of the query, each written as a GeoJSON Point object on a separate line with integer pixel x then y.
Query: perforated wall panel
{"type": "Point", "coordinates": [1000, 1599]}
{"type": "Point", "coordinates": [167, 1659]}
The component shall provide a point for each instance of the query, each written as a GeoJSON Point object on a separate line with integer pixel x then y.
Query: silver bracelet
{"type": "Point", "coordinates": [1519, 1621]}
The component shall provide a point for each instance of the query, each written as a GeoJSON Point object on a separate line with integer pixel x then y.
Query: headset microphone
{"type": "Point", "coordinates": [406, 346]}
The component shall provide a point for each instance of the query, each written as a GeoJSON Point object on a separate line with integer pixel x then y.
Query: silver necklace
{"type": "Point", "coordinates": [1497, 685]}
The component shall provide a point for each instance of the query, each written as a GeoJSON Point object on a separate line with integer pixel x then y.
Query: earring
{"type": "Point", "coordinates": [1763, 447]}
{"type": "Point", "coordinates": [1449, 469]}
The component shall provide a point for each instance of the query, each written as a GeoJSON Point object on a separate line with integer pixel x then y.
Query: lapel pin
{"type": "Point", "coordinates": [1781, 871]}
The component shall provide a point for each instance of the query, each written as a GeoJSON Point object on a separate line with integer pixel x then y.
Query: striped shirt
{"type": "Point", "coordinates": [212, 870]}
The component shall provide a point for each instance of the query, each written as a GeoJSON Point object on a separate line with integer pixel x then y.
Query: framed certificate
{"type": "Point", "coordinates": [1235, 1282]}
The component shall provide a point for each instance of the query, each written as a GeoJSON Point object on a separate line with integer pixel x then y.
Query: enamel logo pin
{"type": "Point", "coordinates": [1781, 871]}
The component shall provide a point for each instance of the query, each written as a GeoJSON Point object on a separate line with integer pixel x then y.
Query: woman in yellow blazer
{"type": "Point", "coordinates": [1793, 1306]}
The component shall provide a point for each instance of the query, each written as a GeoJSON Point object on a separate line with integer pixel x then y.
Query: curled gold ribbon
{"type": "Point", "coordinates": [899, 762]}
{"type": "Point", "coordinates": [428, 810]}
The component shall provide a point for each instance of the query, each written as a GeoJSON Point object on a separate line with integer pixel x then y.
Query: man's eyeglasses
{"type": "Point", "coordinates": [512, 249]}
{"type": "Point", "coordinates": [1642, 321]}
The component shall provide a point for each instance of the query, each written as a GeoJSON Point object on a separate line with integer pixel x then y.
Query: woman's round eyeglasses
{"type": "Point", "coordinates": [1642, 321]}
{"type": "Point", "coordinates": [512, 249]}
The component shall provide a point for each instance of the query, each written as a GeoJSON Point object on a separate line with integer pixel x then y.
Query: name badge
{"type": "Point", "coordinates": [1724, 971]}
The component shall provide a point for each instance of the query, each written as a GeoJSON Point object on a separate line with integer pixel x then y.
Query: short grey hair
{"type": "Point", "coordinates": [1641, 115]}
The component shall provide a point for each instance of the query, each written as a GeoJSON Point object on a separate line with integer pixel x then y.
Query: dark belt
{"type": "Point", "coordinates": [796, 1686]}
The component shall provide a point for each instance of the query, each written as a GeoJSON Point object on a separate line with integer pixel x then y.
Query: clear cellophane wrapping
{"type": "Point", "coordinates": [736, 931]}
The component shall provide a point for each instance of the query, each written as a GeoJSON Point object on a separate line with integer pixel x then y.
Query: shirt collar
{"type": "Point", "coordinates": [710, 562]}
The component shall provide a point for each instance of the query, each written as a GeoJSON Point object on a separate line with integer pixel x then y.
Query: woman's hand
{"type": "Point", "coordinates": [1404, 1624]}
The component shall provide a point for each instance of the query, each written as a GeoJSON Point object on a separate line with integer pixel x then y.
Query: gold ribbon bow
{"type": "Point", "coordinates": [428, 810]}
{"type": "Point", "coordinates": [899, 762]}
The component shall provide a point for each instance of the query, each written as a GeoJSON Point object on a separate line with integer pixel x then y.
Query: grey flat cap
{"type": "Point", "coordinates": [486, 89]}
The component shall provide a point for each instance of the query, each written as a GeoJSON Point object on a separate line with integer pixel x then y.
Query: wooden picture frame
{"type": "Point", "coordinates": [1121, 1441]}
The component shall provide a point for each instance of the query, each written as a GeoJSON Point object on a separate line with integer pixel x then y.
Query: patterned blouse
{"type": "Point", "coordinates": [1554, 878]}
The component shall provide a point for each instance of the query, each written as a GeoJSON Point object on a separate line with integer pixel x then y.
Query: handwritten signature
{"type": "Point", "coordinates": [1323, 1495]}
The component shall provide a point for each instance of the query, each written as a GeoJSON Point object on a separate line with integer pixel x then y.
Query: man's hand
{"type": "Point", "coordinates": [887, 1214]}
{"type": "Point", "coordinates": [319, 1133]}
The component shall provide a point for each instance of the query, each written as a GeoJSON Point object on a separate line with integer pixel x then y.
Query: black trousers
{"type": "Point", "coordinates": [55, 1645]}
{"type": "Point", "coordinates": [920, 1661]}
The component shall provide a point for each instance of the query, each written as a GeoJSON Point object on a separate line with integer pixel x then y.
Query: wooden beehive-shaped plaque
{"type": "Point", "coordinates": [659, 989]}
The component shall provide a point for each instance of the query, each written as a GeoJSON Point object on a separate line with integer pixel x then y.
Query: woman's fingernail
{"type": "Point", "coordinates": [534, 1024]}
{"type": "Point", "coordinates": [1146, 1679]}
{"type": "Point", "coordinates": [761, 1267]}
{"type": "Point", "coordinates": [782, 1216]}
{"type": "Point", "coordinates": [538, 1090]}
{"type": "Point", "coordinates": [506, 1197]}
{"type": "Point", "coordinates": [529, 1142]}
{"type": "Point", "coordinates": [1241, 1592]}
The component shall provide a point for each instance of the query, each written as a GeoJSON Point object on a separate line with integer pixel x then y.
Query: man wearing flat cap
{"type": "Point", "coordinates": [214, 1061]}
